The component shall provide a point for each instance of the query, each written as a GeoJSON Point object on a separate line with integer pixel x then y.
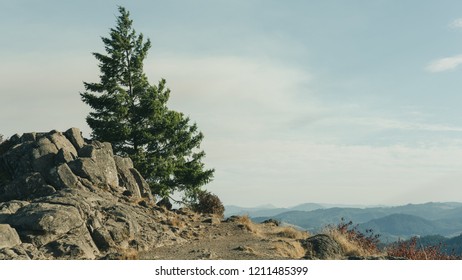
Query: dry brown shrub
{"type": "Point", "coordinates": [209, 203]}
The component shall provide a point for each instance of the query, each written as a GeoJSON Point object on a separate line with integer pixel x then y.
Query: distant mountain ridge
{"type": "Point", "coordinates": [393, 223]}
{"type": "Point", "coordinates": [401, 226]}
{"type": "Point", "coordinates": [270, 210]}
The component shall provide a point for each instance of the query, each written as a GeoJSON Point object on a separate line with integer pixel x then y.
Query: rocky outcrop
{"type": "Point", "coordinates": [64, 197]}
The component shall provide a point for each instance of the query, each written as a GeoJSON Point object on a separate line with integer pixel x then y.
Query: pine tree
{"type": "Point", "coordinates": [133, 116]}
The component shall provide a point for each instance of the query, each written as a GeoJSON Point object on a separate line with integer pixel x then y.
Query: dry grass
{"type": "Point", "coordinates": [129, 254]}
{"type": "Point", "coordinates": [142, 201]}
{"type": "Point", "coordinates": [290, 232]}
{"type": "Point", "coordinates": [271, 232]}
{"type": "Point", "coordinates": [289, 249]}
{"type": "Point", "coordinates": [285, 240]}
{"type": "Point", "coordinates": [175, 221]}
{"type": "Point", "coordinates": [352, 241]}
{"type": "Point", "coordinates": [137, 200]}
{"type": "Point", "coordinates": [247, 223]}
{"type": "Point", "coordinates": [350, 247]}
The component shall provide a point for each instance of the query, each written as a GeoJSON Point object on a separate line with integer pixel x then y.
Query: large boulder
{"type": "Point", "coordinates": [322, 247]}
{"type": "Point", "coordinates": [63, 197]}
{"type": "Point", "coordinates": [39, 223]}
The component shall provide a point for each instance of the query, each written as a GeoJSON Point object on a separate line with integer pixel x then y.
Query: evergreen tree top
{"type": "Point", "coordinates": [133, 115]}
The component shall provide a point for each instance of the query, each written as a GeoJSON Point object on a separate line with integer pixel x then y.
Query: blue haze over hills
{"type": "Point", "coordinates": [392, 223]}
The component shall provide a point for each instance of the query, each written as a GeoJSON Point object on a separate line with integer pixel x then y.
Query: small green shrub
{"type": "Point", "coordinates": [208, 203]}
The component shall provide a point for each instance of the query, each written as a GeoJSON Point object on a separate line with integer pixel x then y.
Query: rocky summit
{"type": "Point", "coordinates": [64, 197]}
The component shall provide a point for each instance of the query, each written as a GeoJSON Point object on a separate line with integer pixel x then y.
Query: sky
{"type": "Point", "coordinates": [347, 102]}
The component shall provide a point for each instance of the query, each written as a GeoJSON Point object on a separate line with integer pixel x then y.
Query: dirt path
{"type": "Point", "coordinates": [234, 239]}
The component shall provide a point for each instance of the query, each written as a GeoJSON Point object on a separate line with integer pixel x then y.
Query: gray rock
{"type": "Point", "coordinates": [16, 161]}
{"type": "Point", "coordinates": [96, 162]}
{"type": "Point", "coordinates": [90, 169]}
{"type": "Point", "coordinates": [28, 137]}
{"type": "Point", "coordinates": [24, 251]}
{"type": "Point", "coordinates": [28, 186]}
{"type": "Point", "coordinates": [102, 239]}
{"type": "Point", "coordinates": [62, 177]}
{"type": "Point", "coordinates": [77, 244]}
{"type": "Point", "coordinates": [75, 206]}
{"type": "Point", "coordinates": [121, 223]}
{"type": "Point", "coordinates": [40, 223]}
{"type": "Point", "coordinates": [322, 247]}
{"type": "Point", "coordinates": [61, 142]}
{"type": "Point", "coordinates": [145, 190]}
{"type": "Point", "coordinates": [75, 136]}
{"type": "Point", "coordinates": [15, 253]}
{"type": "Point", "coordinates": [64, 156]}
{"type": "Point", "coordinates": [10, 207]}
{"type": "Point", "coordinates": [131, 179]}
{"type": "Point", "coordinates": [43, 155]}
{"type": "Point", "coordinates": [126, 178]}
{"type": "Point", "coordinates": [8, 236]}
{"type": "Point", "coordinates": [15, 139]}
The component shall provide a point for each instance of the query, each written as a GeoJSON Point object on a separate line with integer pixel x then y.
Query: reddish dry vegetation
{"type": "Point", "coordinates": [412, 251]}
{"type": "Point", "coordinates": [368, 244]}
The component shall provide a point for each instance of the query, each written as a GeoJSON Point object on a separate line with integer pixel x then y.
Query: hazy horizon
{"type": "Point", "coordinates": [331, 205]}
{"type": "Point", "coordinates": [344, 103]}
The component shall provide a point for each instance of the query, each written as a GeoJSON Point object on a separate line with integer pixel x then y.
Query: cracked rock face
{"type": "Point", "coordinates": [63, 197]}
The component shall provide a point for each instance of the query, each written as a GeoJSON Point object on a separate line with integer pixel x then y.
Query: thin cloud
{"type": "Point", "coordinates": [444, 64]}
{"type": "Point", "coordinates": [383, 123]}
{"type": "Point", "coordinates": [244, 95]}
{"type": "Point", "coordinates": [457, 23]}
